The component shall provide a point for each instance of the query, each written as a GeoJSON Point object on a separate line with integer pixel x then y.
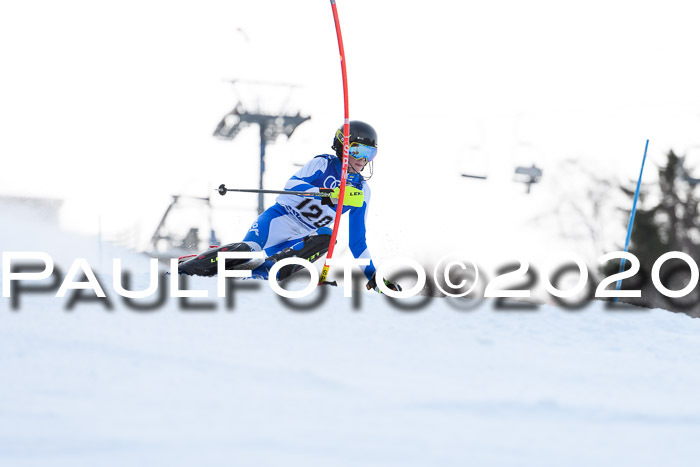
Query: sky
{"type": "Point", "coordinates": [110, 106]}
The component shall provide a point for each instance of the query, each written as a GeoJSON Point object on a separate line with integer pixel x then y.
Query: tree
{"type": "Point", "coordinates": [671, 224]}
{"type": "Point", "coordinates": [582, 208]}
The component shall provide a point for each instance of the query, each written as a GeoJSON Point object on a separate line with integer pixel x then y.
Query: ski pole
{"type": "Point", "coordinates": [631, 222]}
{"type": "Point", "coordinates": [223, 190]}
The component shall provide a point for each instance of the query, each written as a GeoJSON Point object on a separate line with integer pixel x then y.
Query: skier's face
{"type": "Point", "coordinates": [357, 164]}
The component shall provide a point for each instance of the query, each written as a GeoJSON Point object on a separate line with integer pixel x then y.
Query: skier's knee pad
{"type": "Point", "coordinates": [309, 248]}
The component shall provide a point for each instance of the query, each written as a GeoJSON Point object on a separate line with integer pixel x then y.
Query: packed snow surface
{"type": "Point", "coordinates": [340, 384]}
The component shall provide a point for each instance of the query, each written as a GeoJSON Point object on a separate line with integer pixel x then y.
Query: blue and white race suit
{"type": "Point", "coordinates": [294, 217]}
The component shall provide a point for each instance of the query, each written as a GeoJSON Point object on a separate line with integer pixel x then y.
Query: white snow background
{"type": "Point", "coordinates": [263, 385]}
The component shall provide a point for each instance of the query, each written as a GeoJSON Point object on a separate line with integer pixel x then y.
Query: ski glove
{"type": "Point", "coordinates": [372, 285]}
{"type": "Point", "coordinates": [353, 196]}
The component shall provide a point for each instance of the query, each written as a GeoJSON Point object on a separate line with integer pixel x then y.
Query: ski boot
{"type": "Point", "coordinates": [206, 264]}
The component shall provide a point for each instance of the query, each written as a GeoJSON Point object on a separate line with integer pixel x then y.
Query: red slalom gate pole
{"type": "Point", "coordinates": [346, 146]}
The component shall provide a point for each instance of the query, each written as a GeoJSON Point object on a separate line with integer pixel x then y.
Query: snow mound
{"type": "Point", "coordinates": [342, 383]}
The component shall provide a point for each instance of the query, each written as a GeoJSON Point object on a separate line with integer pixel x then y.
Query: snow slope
{"type": "Point", "coordinates": [264, 385]}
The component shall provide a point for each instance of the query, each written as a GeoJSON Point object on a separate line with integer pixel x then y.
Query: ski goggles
{"type": "Point", "coordinates": [362, 151]}
{"type": "Point", "coordinates": [359, 150]}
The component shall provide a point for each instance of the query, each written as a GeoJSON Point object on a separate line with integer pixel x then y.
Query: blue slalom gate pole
{"type": "Point", "coordinates": [634, 211]}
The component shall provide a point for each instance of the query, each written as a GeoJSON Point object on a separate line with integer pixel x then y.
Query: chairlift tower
{"type": "Point", "coordinates": [270, 124]}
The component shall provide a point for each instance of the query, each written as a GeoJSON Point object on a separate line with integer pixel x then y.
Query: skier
{"type": "Point", "coordinates": [297, 226]}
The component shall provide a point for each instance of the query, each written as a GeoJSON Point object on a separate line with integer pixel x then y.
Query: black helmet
{"type": "Point", "coordinates": [360, 132]}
